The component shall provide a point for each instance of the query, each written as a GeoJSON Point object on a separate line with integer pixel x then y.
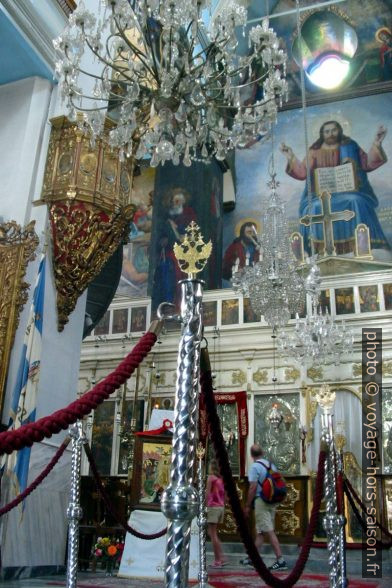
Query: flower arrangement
{"type": "Point", "coordinates": [108, 551]}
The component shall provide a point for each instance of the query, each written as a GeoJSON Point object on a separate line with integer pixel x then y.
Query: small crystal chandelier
{"type": "Point", "coordinates": [172, 89]}
{"type": "Point", "coordinates": [316, 339]}
{"type": "Point", "coordinates": [273, 285]}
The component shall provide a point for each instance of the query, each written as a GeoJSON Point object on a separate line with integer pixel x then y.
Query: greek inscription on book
{"type": "Point", "coordinates": [340, 178]}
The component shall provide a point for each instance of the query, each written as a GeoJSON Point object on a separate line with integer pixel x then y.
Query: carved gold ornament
{"type": "Point", "coordinates": [315, 373]}
{"type": "Point", "coordinates": [260, 377]}
{"type": "Point", "coordinates": [357, 369]}
{"type": "Point", "coordinates": [325, 398]}
{"type": "Point", "coordinates": [289, 521]}
{"type": "Point", "coordinates": [291, 374]}
{"type": "Point", "coordinates": [192, 254]}
{"type": "Point", "coordinates": [17, 248]}
{"type": "Point", "coordinates": [387, 368]}
{"type": "Point", "coordinates": [87, 189]}
{"type": "Point", "coordinates": [238, 377]}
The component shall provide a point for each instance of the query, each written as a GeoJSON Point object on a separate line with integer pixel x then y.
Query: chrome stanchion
{"type": "Point", "coordinates": [74, 511]}
{"type": "Point", "coordinates": [180, 499]}
{"type": "Point", "coordinates": [333, 522]}
{"type": "Point", "coordinates": [202, 519]}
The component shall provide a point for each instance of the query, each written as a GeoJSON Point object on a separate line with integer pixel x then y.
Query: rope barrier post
{"type": "Point", "coordinates": [180, 499]}
{"type": "Point", "coordinates": [333, 522]}
{"type": "Point", "coordinates": [202, 519]}
{"type": "Point", "coordinates": [74, 511]}
{"type": "Point", "coordinates": [342, 528]}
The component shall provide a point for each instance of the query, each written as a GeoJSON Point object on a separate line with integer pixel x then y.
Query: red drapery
{"type": "Point", "coordinates": [239, 398]}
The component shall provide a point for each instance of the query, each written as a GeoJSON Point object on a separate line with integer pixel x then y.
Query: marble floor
{"type": "Point", "coordinates": [317, 564]}
{"type": "Point", "coordinates": [99, 579]}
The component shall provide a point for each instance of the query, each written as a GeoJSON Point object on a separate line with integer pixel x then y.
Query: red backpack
{"type": "Point", "coordinates": [273, 487]}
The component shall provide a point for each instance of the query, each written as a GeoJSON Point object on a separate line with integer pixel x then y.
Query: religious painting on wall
{"type": "Point", "coordinates": [210, 313]}
{"type": "Point", "coordinates": [368, 298]}
{"type": "Point", "coordinates": [182, 195]}
{"type": "Point", "coordinates": [387, 288]}
{"type": "Point", "coordinates": [229, 425]}
{"type": "Point", "coordinates": [230, 312]}
{"type": "Point", "coordinates": [249, 314]}
{"type": "Point", "coordinates": [102, 328]}
{"type": "Point", "coordinates": [276, 429]}
{"type": "Point", "coordinates": [134, 275]}
{"type": "Point", "coordinates": [325, 300]}
{"type": "Point", "coordinates": [102, 436]}
{"type": "Point", "coordinates": [347, 139]}
{"type": "Point", "coordinates": [344, 301]}
{"type": "Point", "coordinates": [233, 414]}
{"type": "Point", "coordinates": [120, 321]}
{"type": "Point", "coordinates": [151, 470]}
{"type": "Point", "coordinates": [138, 319]}
{"type": "Point", "coordinates": [366, 41]}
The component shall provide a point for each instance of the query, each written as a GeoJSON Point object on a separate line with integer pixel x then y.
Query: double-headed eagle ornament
{"type": "Point", "coordinates": [192, 253]}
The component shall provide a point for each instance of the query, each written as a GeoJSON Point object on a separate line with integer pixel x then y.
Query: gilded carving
{"type": "Point", "coordinates": [357, 370]}
{"type": "Point", "coordinates": [289, 522]}
{"type": "Point", "coordinates": [238, 377]}
{"type": "Point", "coordinates": [87, 189]}
{"type": "Point", "coordinates": [260, 377]}
{"type": "Point", "coordinates": [229, 526]}
{"type": "Point", "coordinates": [192, 253]}
{"type": "Point", "coordinates": [315, 373]}
{"type": "Point", "coordinates": [291, 374]}
{"type": "Point", "coordinates": [387, 368]}
{"type": "Point", "coordinates": [83, 240]}
{"type": "Point", "coordinates": [291, 498]}
{"type": "Point", "coordinates": [17, 248]}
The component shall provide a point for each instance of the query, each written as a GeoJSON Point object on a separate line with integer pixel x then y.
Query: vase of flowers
{"type": "Point", "coordinates": [106, 551]}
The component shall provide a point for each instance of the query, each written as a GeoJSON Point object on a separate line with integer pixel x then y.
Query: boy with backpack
{"type": "Point", "coordinates": [266, 489]}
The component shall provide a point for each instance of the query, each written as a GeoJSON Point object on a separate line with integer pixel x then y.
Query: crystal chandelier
{"type": "Point", "coordinates": [316, 339]}
{"type": "Point", "coordinates": [273, 285]}
{"type": "Point", "coordinates": [172, 89]}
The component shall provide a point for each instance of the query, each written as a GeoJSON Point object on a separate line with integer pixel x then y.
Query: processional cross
{"type": "Point", "coordinates": [327, 218]}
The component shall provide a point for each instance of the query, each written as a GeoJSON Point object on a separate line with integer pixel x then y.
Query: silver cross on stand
{"type": "Point", "coordinates": [327, 218]}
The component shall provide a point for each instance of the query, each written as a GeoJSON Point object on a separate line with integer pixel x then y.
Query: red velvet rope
{"type": "Point", "coordinates": [28, 434]}
{"type": "Point", "coordinates": [349, 488]}
{"type": "Point", "coordinates": [37, 480]}
{"type": "Point", "coordinates": [108, 503]}
{"type": "Point", "coordinates": [362, 523]}
{"type": "Point", "coordinates": [242, 524]}
{"type": "Point", "coordinates": [339, 493]}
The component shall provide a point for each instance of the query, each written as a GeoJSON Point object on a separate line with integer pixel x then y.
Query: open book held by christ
{"type": "Point", "coordinates": [340, 178]}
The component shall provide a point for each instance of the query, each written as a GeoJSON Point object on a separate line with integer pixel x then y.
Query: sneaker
{"type": "Point", "coordinates": [278, 566]}
{"type": "Point", "coordinates": [217, 564]}
{"type": "Point", "coordinates": [246, 561]}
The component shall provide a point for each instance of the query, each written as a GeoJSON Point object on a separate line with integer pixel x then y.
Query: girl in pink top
{"type": "Point", "coordinates": [215, 510]}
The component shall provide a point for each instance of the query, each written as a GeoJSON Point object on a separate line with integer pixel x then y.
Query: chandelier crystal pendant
{"type": "Point", "coordinates": [174, 89]}
{"type": "Point", "coordinates": [273, 285]}
{"type": "Point", "coordinates": [316, 339]}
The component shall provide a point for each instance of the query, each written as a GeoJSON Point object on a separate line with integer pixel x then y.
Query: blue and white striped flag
{"type": "Point", "coordinates": [24, 400]}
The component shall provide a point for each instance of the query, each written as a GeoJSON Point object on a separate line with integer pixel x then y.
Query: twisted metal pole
{"type": "Point", "coordinates": [74, 510]}
{"type": "Point", "coordinates": [202, 519]}
{"type": "Point", "coordinates": [180, 499]}
{"type": "Point", "coordinates": [332, 522]}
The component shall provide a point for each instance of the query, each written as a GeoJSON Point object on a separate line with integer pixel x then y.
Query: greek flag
{"type": "Point", "coordinates": [24, 400]}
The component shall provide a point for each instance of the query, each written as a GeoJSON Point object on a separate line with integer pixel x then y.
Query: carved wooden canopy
{"type": "Point", "coordinates": [17, 248]}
